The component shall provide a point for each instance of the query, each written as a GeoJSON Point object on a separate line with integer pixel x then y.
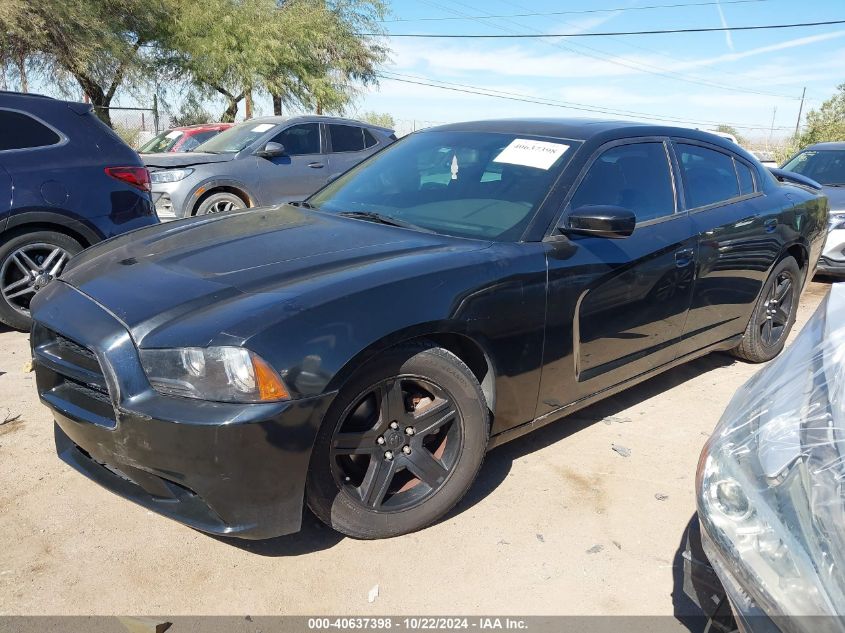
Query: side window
{"type": "Point", "coordinates": [709, 176]}
{"type": "Point", "coordinates": [22, 132]}
{"type": "Point", "coordinates": [636, 177]}
{"type": "Point", "coordinates": [369, 139]}
{"type": "Point", "coordinates": [300, 139]}
{"type": "Point", "coordinates": [746, 179]}
{"type": "Point", "coordinates": [346, 138]}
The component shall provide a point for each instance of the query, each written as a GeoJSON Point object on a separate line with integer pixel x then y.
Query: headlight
{"type": "Point", "coordinates": [169, 175]}
{"type": "Point", "coordinates": [221, 374]}
{"type": "Point", "coordinates": [771, 499]}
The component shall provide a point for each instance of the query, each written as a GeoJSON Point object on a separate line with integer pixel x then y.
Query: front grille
{"type": "Point", "coordinates": [70, 378]}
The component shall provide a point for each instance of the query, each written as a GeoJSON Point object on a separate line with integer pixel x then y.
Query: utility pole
{"type": "Point", "coordinates": [800, 110]}
{"type": "Point", "coordinates": [772, 130]}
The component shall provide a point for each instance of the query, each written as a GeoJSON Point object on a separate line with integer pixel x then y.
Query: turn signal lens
{"type": "Point", "coordinates": [270, 386]}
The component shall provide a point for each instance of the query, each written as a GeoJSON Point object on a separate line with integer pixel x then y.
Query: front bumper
{"type": "Point", "coordinates": [228, 469]}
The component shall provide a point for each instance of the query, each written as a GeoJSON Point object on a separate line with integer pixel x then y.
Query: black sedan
{"type": "Point", "coordinates": [362, 350]}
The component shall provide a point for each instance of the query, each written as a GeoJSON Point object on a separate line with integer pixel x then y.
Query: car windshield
{"type": "Point", "coordinates": [235, 138]}
{"type": "Point", "coordinates": [467, 184]}
{"type": "Point", "coordinates": [826, 167]}
{"type": "Point", "coordinates": [164, 142]}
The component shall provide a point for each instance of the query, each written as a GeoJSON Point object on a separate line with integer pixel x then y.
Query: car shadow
{"type": "Point", "coordinates": [498, 462]}
{"type": "Point", "coordinates": [315, 537]}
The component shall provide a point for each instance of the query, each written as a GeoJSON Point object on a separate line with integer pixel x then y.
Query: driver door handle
{"type": "Point", "coordinates": [316, 165]}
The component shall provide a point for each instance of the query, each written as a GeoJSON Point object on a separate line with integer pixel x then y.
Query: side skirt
{"type": "Point", "coordinates": [572, 407]}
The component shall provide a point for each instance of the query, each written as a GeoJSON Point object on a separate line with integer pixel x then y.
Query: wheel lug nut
{"type": "Point", "coordinates": [388, 455]}
{"type": "Point", "coordinates": [410, 430]}
{"type": "Point", "coordinates": [406, 450]}
{"type": "Point", "coordinates": [379, 440]}
{"type": "Point", "coordinates": [394, 425]}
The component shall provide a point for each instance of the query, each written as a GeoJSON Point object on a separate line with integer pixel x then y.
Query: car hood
{"type": "Point", "coordinates": [172, 282]}
{"type": "Point", "coordinates": [836, 197]}
{"type": "Point", "coordinates": [172, 160]}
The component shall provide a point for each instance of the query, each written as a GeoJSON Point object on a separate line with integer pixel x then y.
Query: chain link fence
{"type": "Point", "coordinates": [137, 125]}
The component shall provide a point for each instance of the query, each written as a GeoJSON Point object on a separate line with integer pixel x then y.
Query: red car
{"type": "Point", "coordinates": [182, 139]}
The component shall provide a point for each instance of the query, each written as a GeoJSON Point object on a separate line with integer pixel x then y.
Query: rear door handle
{"type": "Point", "coordinates": [316, 165]}
{"type": "Point", "coordinates": [770, 225]}
{"type": "Point", "coordinates": [683, 257]}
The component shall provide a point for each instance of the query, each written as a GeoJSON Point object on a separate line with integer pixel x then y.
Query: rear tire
{"type": "Point", "coordinates": [219, 203]}
{"type": "Point", "coordinates": [28, 262]}
{"type": "Point", "coordinates": [369, 480]}
{"type": "Point", "coordinates": [774, 314]}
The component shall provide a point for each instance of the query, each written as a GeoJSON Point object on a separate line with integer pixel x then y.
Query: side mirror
{"type": "Point", "coordinates": [271, 150]}
{"type": "Point", "coordinates": [600, 221]}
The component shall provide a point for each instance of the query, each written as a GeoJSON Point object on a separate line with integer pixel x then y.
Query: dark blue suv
{"type": "Point", "coordinates": [67, 181]}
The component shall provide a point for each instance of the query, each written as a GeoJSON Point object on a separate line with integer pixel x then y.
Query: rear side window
{"type": "Point", "coordinates": [21, 131]}
{"type": "Point", "coordinates": [709, 176]}
{"type": "Point", "coordinates": [346, 138]}
{"type": "Point", "coordinates": [369, 139]}
{"type": "Point", "coordinates": [635, 177]}
{"type": "Point", "coordinates": [746, 179]}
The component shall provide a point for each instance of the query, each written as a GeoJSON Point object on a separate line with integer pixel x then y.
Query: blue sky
{"type": "Point", "coordinates": [702, 78]}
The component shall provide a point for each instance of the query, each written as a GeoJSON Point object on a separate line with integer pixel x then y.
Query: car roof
{"type": "Point", "coordinates": [201, 126]}
{"type": "Point", "coordinates": [577, 129]}
{"type": "Point", "coordinates": [317, 118]}
{"type": "Point", "coordinates": [828, 145]}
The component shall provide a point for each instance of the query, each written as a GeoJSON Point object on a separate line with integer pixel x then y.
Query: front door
{"type": "Point", "coordinates": [297, 173]}
{"type": "Point", "coordinates": [616, 307]}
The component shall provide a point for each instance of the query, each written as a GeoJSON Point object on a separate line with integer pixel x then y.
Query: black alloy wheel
{"type": "Point", "coordinates": [397, 445]}
{"type": "Point", "coordinates": [400, 444]}
{"type": "Point", "coordinates": [775, 319]}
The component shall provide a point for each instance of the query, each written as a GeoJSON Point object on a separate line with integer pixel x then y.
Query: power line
{"type": "Point", "coordinates": [639, 66]}
{"type": "Point", "coordinates": [582, 12]}
{"type": "Point", "coordinates": [519, 97]}
{"type": "Point", "coordinates": [758, 27]}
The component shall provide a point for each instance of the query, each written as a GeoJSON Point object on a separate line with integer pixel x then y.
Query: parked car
{"type": "Point", "coordinates": [363, 349]}
{"type": "Point", "coordinates": [263, 161]}
{"type": "Point", "coordinates": [182, 139]}
{"type": "Point", "coordinates": [825, 163]}
{"type": "Point", "coordinates": [66, 182]}
{"type": "Point", "coordinates": [769, 543]}
{"type": "Point", "coordinates": [766, 158]}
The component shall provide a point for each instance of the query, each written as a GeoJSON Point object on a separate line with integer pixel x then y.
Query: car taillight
{"type": "Point", "coordinates": [138, 177]}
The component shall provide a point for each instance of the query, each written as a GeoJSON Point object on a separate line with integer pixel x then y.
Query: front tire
{"type": "Point", "coordinates": [774, 314]}
{"type": "Point", "coordinates": [400, 445]}
{"type": "Point", "coordinates": [28, 262]}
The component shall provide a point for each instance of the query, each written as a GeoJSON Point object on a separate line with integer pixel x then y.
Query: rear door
{"type": "Point", "coordinates": [617, 307]}
{"type": "Point", "coordinates": [348, 146]}
{"type": "Point", "coordinates": [300, 171]}
{"type": "Point", "coordinates": [738, 240]}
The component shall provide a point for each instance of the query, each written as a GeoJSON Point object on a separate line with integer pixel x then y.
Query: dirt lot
{"type": "Point", "coordinates": [558, 523]}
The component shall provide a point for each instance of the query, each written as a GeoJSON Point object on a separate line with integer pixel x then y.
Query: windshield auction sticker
{"type": "Point", "coordinates": [528, 153]}
{"type": "Point", "coordinates": [262, 127]}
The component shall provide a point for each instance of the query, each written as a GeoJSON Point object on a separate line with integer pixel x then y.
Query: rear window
{"type": "Point", "coordinates": [21, 131]}
{"type": "Point", "coordinates": [346, 138]}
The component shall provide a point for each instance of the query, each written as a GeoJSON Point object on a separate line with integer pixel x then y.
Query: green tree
{"type": "Point", "coordinates": [94, 43]}
{"type": "Point", "coordinates": [729, 129]}
{"type": "Point", "coordinates": [301, 52]}
{"type": "Point", "coordinates": [383, 119]}
{"type": "Point", "coordinates": [827, 123]}
{"type": "Point", "coordinates": [191, 112]}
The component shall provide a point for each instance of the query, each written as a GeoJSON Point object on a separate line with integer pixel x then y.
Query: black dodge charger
{"type": "Point", "coordinates": [361, 350]}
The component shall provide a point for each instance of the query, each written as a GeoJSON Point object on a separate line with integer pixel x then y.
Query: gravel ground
{"type": "Point", "coordinates": [557, 523]}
